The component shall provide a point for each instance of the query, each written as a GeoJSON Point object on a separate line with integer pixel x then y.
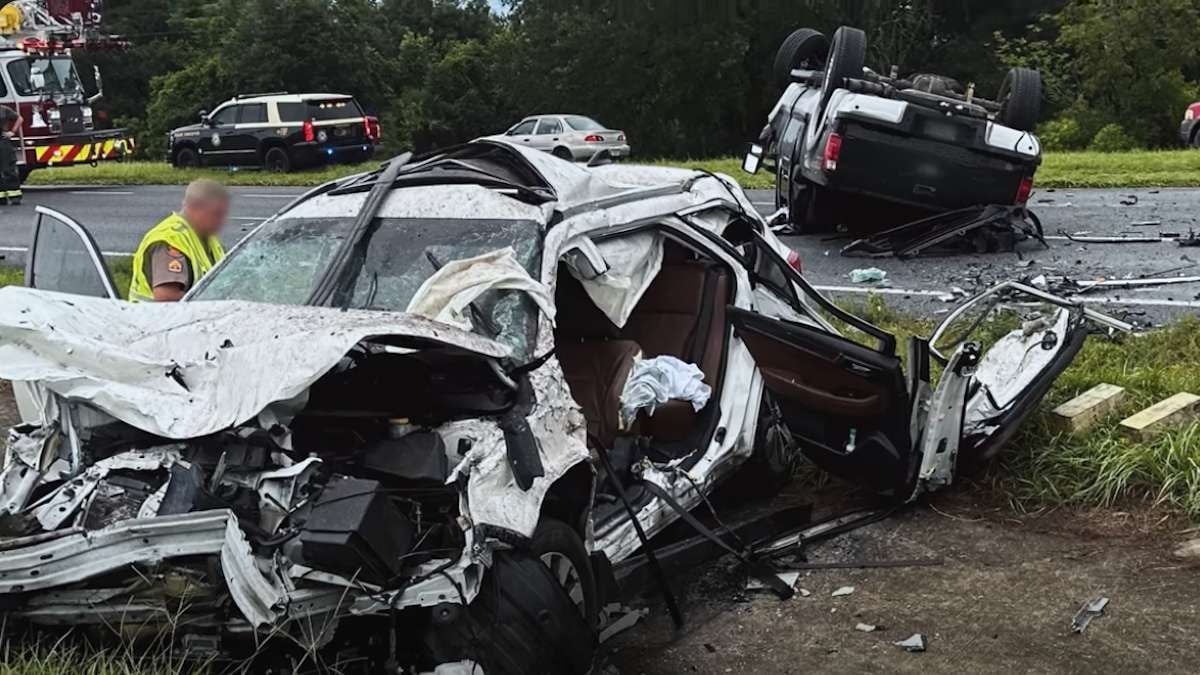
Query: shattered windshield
{"type": "Point", "coordinates": [283, 261]}
{"type": "Point", "coordinates": [41, 75]}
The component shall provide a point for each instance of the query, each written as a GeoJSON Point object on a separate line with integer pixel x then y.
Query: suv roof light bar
{"type": "Point", "coordinates": [239, 97]}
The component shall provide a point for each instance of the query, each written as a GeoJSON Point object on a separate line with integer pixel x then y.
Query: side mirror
{"type": "Point", "coordinates": [585, 260]}
{"type": "Point", "coordinates": [99, 86]}
{"type": "Point", "coordinates": [204, 119]}
{"type": "Point", "coordinates": [753, 161]}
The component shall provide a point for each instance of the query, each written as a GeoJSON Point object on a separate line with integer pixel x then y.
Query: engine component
{"type": "Point", "coordinates": [418, 456]}
{"type": "Point", "coordinates": [355, 530]}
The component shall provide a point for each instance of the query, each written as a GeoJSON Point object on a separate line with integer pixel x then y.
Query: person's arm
{"type": "Point", "coordinates": [169, 273]}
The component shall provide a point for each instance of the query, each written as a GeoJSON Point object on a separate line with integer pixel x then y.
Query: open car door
{"type": "Point", "coordinates": [63, 257]}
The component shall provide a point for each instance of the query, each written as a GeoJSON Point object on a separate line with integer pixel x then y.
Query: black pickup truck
{"type": "Point", "coordinates": [842, 135]}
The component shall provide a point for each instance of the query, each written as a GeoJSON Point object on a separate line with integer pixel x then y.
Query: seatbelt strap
{"type": "Point", "coordinates": [758, 569]}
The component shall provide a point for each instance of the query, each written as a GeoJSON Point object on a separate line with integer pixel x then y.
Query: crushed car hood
{"type": "Point", "coordinates": [185, 370]}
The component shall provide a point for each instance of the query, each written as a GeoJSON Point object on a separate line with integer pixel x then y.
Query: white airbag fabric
{"type": "Point", "coordinates": [447, 294]}
{"type": "Point", "coordinates": [653, 382]}
{"type": "Point", "coordinates": [633, 263]}
{"type": "Point", "coordinates": [182, 370]}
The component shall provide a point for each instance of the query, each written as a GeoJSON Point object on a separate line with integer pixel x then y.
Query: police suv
{"type": "Point", "coordinates": [278, 132]}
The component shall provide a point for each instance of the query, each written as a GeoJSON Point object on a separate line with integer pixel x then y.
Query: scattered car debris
{"type": "Point", "coordinates": [1131, 200]}
{"type": "Point", "coordinates": [866, 627]}
{"type": "Point", "coordinates": [789, 578]}
{"type": "Point", "coordinates": [867, 275]}
{"type": "Point", "coordinates": [804, 592]}
{"type": "Point", "coordinates": [868, 564]}
{"type": "Point", "coordinates": [1085, 238]}
{"type": "Point", "coordinates": [1089, 611]}
{"type": "Point", "coordinates": [621, 619]}
{"type": "Point", "coordinates": [980, 229]}
{"type": "Point", "coordinates": [914, 644]}
{"type": "Point", "coordinates": [844, 590]}
{"type": "Point", "coordinates": [1146, 223]}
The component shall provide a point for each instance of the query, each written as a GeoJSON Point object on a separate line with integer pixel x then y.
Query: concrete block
{"type": "Point", "coordinates": [1082, 412]}
{"type": "Point", "coordinates": [1152, 421]}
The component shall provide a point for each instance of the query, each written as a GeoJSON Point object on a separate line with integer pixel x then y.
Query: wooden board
{"type": "Point", "coordinates": [1085, 410]}
{"type": "Point", "coordinates": [1152, 421]}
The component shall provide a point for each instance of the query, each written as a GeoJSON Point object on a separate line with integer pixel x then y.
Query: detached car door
{"type": "Point", "coordinates": [64, 257]}
{"type": "Point", "coordinates": [847, 404]}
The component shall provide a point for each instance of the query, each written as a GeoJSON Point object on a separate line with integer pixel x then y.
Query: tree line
{"type": "Point", "coordinates": [684, 78]}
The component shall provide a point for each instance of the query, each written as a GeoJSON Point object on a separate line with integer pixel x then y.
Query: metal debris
{"type": "Point", "coordinates": [789, 578]}
{"type": "Point", "coordinates": [628, 618]}
{"type": "Point", "coordinates": [844, 590]}
{"type": "Point", "coordinates": [980, 229]}
{"type": "Point", "coordinates": [916, 643]}
{"type": "Point", "coordinates": [1131, 200]}
{"type": "Point", "coordinates": [1089, 611]}
{"type": "Point", "coordinates": [867, 274]}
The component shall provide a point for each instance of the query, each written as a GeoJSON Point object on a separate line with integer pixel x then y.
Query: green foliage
{"type": "Point", "coordinates": [1062, 133]}
{"type": "Point", "coordinates": [1112, 138]}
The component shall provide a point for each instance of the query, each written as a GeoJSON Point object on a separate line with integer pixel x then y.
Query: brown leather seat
{"type": "Point", "coordinates": [595, 360]}
{"type": "Point", "coordinates": [683, 315]}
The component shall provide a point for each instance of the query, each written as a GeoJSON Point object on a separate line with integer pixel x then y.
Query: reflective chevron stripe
{"type": "Point", "coordinates": [71, 153]}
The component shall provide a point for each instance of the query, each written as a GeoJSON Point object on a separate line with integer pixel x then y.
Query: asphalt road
{"type": "Point", "coordinates": [118, 216]}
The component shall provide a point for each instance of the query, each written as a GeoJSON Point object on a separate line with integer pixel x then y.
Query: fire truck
{"type": "Point", "coordinates": [38, 78]}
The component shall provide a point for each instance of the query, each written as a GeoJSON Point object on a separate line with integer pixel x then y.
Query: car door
{"type": "Point", "coordinates": [215, 141]}
{"type": "Point", "coordinates": [547, 135]}
{"type": "Point", "coordinates": [523, 132]}
{"type": "Point", "coordinates": [846, 403]}
{"type": "Point", "coordinates": [242, 141]}
{"type": "Point", "coordinates": [63, 257]}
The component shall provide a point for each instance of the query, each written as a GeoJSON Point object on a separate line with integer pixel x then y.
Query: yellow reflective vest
{"type": "Point", "coordinates": [177, 233]}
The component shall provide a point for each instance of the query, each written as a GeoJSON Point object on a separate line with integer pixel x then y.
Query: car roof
{"type": "Point", "coordinates": [286, 98]}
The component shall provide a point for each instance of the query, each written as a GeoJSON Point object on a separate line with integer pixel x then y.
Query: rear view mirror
{"type": "Point", "coordinates": [585, 261]}
{"type": "Point", "coordinates": [753, 160]}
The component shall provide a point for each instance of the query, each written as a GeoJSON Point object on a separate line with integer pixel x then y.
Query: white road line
{"type": "Point", "coordinates": [100, 192]}
{"type": "Point", "coordinates": [25, 249]}
{"type": "Point", "coordinates": [1085, 299]}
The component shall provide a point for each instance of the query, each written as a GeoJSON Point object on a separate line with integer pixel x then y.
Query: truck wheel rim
{"type": "Point", "coordinates": [567, 575]}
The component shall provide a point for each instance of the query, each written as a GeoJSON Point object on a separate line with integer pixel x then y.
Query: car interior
{"type": "Point", "coordinates": [682, 314]}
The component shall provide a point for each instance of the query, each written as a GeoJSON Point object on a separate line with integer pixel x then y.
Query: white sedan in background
{"type": "Point", "coordinates": [570, 137]}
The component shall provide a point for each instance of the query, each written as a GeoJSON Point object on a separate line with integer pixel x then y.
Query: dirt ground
{"type": "Point", "coordinates": [1002, 601]}
{"type": "Point", "coordinates": [8, 408]}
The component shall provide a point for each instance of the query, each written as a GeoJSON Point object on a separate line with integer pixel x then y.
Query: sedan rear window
{"type": "Point", "coordinates": [580, 123]}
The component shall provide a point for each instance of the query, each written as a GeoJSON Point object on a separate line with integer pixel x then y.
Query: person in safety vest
{"type": "Point", "coordinates": [177, 252]}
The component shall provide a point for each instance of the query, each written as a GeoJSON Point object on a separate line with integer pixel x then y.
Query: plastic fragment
{"type": "Point", "coordinates": [844, 590]}
{"type": "Point", "coordinates": [916, 643]}
{"type": "Point", "coordinates": [867, 274]}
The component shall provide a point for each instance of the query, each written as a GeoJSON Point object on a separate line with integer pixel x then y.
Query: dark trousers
{"type": "Point", "coordinates": [10, 178]}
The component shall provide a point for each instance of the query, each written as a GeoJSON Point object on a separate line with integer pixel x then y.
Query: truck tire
{"type": "Point", "coordinates": [847, 56]}
{"type": "Point", "coordinates": [1021, 99]}
{"type": "Point", "coordinates": [520, 622]}
{"type": "Point", "coordinates": [277, 160]}
{"type": "Point", "coordinates": [186, 158]}
{"type": "Point", "coordinates": [803, 46]}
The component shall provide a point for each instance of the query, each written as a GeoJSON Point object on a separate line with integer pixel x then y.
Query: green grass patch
{"type": "Point", "coordinates": [121, 269]}
{"type": "Point", "coordinates": [1164, 168]}
{"type": "Point", "coordinates": [1146, 168]}
{"type": "Point", "coordinates": [161, 173]}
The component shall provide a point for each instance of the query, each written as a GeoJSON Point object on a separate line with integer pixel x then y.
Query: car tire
{"type": "Point", "coordinates": [521, 621]}
{"type": "Point", "coordinates": [1021, 99]}
{"type": "Point", "coordinates": [563, 153]}
{"type": "Point", "coordinates": [1195, 142]}
{"type": "Point", "coordinates": [186, 158]}
{"type": "Point", "coordinates": [804, 45]}
{"type": "Point", "coordinates": [277, 160]}
{"type": "Point", "coordinates": [847, 56]}
{"type": "Point", "coordinates": [559, 547]}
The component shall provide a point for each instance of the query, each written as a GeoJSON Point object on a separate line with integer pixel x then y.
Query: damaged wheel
{"type": "Point", "coordinates": [521, 621]}
{"type": "Point", "coordinates": [562, 551]}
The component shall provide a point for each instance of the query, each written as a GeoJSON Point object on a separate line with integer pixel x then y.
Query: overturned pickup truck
{"type": "Point", "coordinates": [416, 419]}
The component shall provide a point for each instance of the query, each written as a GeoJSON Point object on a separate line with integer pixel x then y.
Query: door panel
{"type": "Point", "coordinates": [847, 404]}
{"type": "Point", "coordinates": [63, 257]}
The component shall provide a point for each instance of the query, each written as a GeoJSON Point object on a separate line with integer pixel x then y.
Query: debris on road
{"type": "Point", "coordinates": [914, 644]}
{"type": "Point", "coordinates": [1149, 423]}
{"type": "Point", "coordinates": [979, 229]}
{"type": "Point", "coordinates": [844, 590]}
{"type": "Point", "coordinates": [789, 578]}
{"type": "Point", "coordinates": [867, 275]}
{"type": "Point", "coordinates": [1146, 223]}
{"type": "Point", "coordinates": [866, 627]}
{"type": "Point", "coordinates": [1188, 550]}
{"type": "Point", "coordinates": [1089, 611]}
{"type": "Point", "coordinates": [621, 619]}
{"type": "Point", "coordinates": [1131, 200]}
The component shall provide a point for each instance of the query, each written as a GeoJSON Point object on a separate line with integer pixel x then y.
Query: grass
{"type": "Point", "coordinates": [1143, 168]}
{"type": "Point", "coordinates": [1161, 168]}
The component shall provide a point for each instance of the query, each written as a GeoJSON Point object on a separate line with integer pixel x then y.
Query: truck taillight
{"type": "Point", "coordinates": [310, 134]}
{"type": "Point", "coordinates": [793, 261]}
{"type": "Point", "coordinates": [1024, 190]}
{"type": "Point", "coordinates": [593, 138]}
{"type": "Point", "coordinates": [833, 150]}
{"type": "Point", "coordinates": [372, 128]}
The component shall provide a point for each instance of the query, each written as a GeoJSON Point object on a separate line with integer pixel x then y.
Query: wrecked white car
{"type": "Point", "coordinates": [415, 419]}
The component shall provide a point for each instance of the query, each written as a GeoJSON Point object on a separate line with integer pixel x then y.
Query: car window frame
{"type": "Point", "coordinates": [229, 107]}
{"type": "Point", "coordinates": [518, 125]}
{"type": "Point", "coordinates": [548, 120]}
{"type": "Point", "coordinates": [243, 107]}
